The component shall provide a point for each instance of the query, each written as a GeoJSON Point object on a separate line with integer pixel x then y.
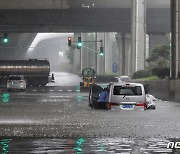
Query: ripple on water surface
{"type": "Point", "coordinates": [83, 145]}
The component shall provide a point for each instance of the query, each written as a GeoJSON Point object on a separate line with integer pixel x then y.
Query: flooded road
{"type": "Point", "coordinates": [57, 119]}
{"type": "Point", "coordinates": [85, 145]}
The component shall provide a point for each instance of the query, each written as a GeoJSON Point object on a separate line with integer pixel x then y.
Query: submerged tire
{"type": "Point", "coordinates": [152, 107]}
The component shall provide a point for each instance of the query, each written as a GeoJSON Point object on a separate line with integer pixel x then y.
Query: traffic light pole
{"type": "Point", "coordinates": [94, 51]}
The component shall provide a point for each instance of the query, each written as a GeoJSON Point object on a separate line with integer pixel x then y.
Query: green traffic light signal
{"type": "Point", "coordinates": [79, 44]}
{"type": "Point", "coordinates": [5, 38]}
{"type": "Point", "coordinates": [101, 51]}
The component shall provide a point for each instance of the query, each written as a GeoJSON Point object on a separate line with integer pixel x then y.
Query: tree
{"type": "Point", "coordinates": [160, 58]}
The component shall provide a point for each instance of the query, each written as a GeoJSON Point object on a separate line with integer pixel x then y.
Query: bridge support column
{"type": "Point", "coordinates": [100, 59]}
{"type": "Point", "coordinates": [178, 30]}
{"type": "Point", "coordinates": [84, 52]}
{"type": "Point", "coordinates": [88, 50]}
{"type": "Point", "coordinates": [124, 46]}
{"type": "Point", "coordinates": [77, 55]}
{"type": "Point", "coordinates": [108, 53]}
{"type": "Point", "coordinates": [138, 33]}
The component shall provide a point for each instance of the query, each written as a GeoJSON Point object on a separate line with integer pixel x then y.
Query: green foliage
{"type": "Point", "coordinates": [159, 61]}
{"type": "Point", "coordinates": [141, 74]}
{"type": "Point", "coordinates": [160, 58]}
{"type": "Point", "coordinates": [161, 72]}
{"type": "Point", "coordinates": [150, 78]}
{"type": "Point", "coordinates": [159, 52]}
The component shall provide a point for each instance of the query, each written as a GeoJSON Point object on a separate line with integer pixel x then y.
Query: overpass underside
{"type": "Point", "coordinates": [82, 20]}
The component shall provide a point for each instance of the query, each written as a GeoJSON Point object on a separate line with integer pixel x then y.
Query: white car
{"type": "Point", "coordinates": [122, 79]}
{"type": "Point", "coordinates": [16, 82]}
{"type": "Point", "coordinates": [123, 95]}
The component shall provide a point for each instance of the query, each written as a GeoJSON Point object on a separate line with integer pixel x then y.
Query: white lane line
{"type": "Point", "coordinates": [34, 90]}
{"type": "Point", "coordinates": [61, 97]}
{"type": "Point", "coordinates": [60, 90]}
{"type": "Point", "coordinates": [51, 90]}
{"type": "Point", "coordinates": [77, 90]}
{"type": "Point", "coordinates": [69, 90]}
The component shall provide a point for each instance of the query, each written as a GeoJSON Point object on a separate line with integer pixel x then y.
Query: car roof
{"type": "Point", "coordinates": [130, 83]}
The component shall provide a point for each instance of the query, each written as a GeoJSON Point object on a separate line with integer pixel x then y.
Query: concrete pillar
{"type": "Point", "coordinates": [119, 45]}
{"type": "Point", "coordinates": [174, 38]}
{"type": "Point", "coordinates": [100, 59]}
{"type": "Point", "coordinates": [178, 32]}
{"type": "Point", "coordinates": [124, 46]}
{"type": "Point", "coordinates": [139, 30]}
{"type": "Point", "coordinates": [84, 52]}
{"type": "Point", "coordinates": [88, 50]}
{"type": "Point", "coordinates": [133, 37]}
{"type": "Point", "coordinates": [108, 53]}
{"type": "Point", "coordinates": [77, 55]}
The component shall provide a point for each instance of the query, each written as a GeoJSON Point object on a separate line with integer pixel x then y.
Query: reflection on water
{"type": "Point", "coordinates": [82, 145]}
{"type": "Point", "coordinates": [4, 143]}
{"type": "Point", "coordinates": [79, 98]}
{"type": "Point", "coordinates": [5, 97]}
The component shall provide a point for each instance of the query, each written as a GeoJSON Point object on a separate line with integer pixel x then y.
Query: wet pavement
{"type": "Point", "coordinates": [85, 145]}
{"type": "Point", "coordinates": [57, 119]}
{"type": "Point", "coordinates": [52, 121]}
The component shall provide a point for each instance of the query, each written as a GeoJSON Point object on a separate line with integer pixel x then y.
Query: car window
{"type": "Point", "coordinates": [115, 80]}
{"type": "Point", "coordinates": [125, 79]}
{"type": "Point", "coordinates": [120, 90]}
{"type": "Point", "coordinates": [96, 89]}
{"type": "Point", "coordinates": [15, 78]}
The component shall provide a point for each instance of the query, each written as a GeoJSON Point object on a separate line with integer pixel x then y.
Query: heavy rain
{"type": "Point", "coordinates": [89, 76]}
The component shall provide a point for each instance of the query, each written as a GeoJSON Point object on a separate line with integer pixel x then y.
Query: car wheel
{"type": "Point", "coordinates": [152, 107]}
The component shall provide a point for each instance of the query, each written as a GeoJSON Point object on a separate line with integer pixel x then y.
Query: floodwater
{"type": "Point", "coordinates": [84, 145]}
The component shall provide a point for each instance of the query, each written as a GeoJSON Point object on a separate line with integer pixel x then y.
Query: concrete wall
{"type": "Point", "coordinates": [166, 90]}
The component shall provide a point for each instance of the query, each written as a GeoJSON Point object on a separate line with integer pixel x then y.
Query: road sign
{"type": "Point", "coordinates": [114, 68]}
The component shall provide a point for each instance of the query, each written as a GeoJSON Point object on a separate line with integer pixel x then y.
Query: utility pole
{"type": "Point", "coordinates": [174, 38]}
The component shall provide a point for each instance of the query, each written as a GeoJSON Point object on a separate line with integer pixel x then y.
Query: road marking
{"type": "Point", "coordinates": [51, 90]}
{"type": "Point", "coordinates": [77, 90]}
{"type": "Point", "coordinates": [69, 90]}
{"type": "Point", "coordinates": [60, 90]}
{"type": "Point", "coordinates": [34, 90]}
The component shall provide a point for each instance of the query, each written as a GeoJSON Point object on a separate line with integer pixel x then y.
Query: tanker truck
{"type": "Point", "coordinates": [35, 71]}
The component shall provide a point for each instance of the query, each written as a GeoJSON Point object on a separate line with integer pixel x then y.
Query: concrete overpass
{"type": "Point", "coordinates": [82, 16]}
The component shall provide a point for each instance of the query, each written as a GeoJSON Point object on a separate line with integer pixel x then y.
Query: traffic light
{"type": "Point", "coordinates": [69, 41]}
{"type": "Point", "coordinates": [79, 44]}
{"type": "Point", "coordinates": [101, 51]}
{"type": "Point", "coordinates": [5, 38]}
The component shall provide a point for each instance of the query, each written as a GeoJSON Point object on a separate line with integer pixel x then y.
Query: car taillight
{"type": "Point", "coordinates": [142, 104]}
